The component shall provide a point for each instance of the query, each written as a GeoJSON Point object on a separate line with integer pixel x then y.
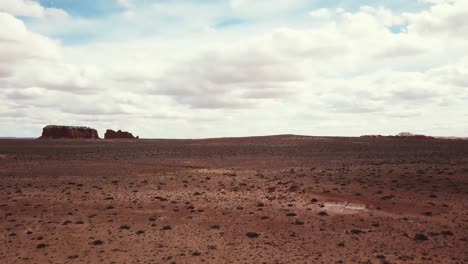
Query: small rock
{"type": "Point", "coordinates": [97, 242]}
{"type": "Point", "coordinates": [420, 237]}
{"type": "Point", "coordinates": [323, 213]}
{"type": "Point", "coordinates": [252, 235]}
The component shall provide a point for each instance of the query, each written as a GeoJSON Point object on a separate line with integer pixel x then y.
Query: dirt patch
{"type": "Point", "coordinates": [248, 200]}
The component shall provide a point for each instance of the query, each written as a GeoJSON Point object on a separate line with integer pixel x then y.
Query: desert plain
{"type": "Point", "coordinates": [276, 199]}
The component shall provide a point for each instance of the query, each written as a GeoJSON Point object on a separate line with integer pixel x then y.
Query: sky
{"type": "Point", "coordinates": [222, 68]}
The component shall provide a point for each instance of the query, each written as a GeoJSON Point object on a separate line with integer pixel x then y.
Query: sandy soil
{"type": "Point", "coordinates": [280, 199]}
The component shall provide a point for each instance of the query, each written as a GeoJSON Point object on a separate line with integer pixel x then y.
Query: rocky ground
{"type": "Point", "coordinates": [281, 199]}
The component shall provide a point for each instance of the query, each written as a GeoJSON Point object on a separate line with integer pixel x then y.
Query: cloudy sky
{"type": "Point", "coordinates": [211, 68]}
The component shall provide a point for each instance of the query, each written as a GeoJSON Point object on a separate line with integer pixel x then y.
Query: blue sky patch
{"type": "Point", "coordinates": [230, 22]}
{"type": "Point", "coordinates": [84, 8]}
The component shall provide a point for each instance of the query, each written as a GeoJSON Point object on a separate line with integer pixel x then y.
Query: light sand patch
{"type": "Point", "coordinates": [344, 207]}
{"type": "Point", "coordinates": [214, 171]}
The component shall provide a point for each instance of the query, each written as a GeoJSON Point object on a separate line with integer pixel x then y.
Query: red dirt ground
{"type": "Point", "coordinates": [279, 199]}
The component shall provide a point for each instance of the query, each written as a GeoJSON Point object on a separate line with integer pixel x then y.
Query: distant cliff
{"type": "Point", "coordinates": [69, 132]}
{"type": "Point", "coordinates": [111, 134]}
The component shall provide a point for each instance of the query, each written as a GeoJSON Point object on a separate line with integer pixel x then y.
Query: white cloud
{"type": "Point", "coordinates": [19, 45]}
{"type": "Point", "coordinates": [125, 3]}
{"type": "Point", "coordinates": [321, 13]}
{"type": "Point", "coordinates": [29, 8]}
{"type": "Point", "coordinates": [444, 18]}
{"type": "Point", "coordinates": [261, 8]}
{"type": "Point", "coordinates": [22, 7]}
{"type": "Point", "coordinates": [329, 75]}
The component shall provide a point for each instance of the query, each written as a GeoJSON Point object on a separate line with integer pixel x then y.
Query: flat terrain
{"type": "Point", "coordinates": [279, 199]}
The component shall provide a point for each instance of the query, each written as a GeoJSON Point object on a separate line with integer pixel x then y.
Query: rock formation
{"type": "Point", "coordinates": [69, 132]}
{"type": "Point", "coordinates": [111, 134]}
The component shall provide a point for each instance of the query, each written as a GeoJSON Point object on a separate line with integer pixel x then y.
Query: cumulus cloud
{"type": "Point", "coordinates": [339, 68]}
{"type": "Point", "coordinates": [455, 74]}
{"type": "Point", "coordinates": [22, 8]}
{"type": "Point", "coordinates": [29, 8]}
{"type": "Point", "coordinates": [19, 48]}
{"type": "Point", "coordinates": [223, 77]}
{"type": "Point", "coordinates": [443, 18]}
{"type": "Point", "coordinates": [17, 43]}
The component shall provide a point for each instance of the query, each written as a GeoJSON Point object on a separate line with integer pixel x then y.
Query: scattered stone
{"type": "Point", "coordinates": [323, 213]}
{"type": "Point", "coordinates": [356, 231]}
{"type": "Point", "coordinates": [97, 242]}
{"type": "Point", "coordinates": [42, 245]}
{"type": "Point", "coordinates": [298, 222]}
{"type": "Point", "coordinates": [252, 235]}
{"type": "Point", "coordinates": [420, 237]}
{"type": "Point", "coordinates": [388, 197]}
{"type": "Point", "coordinates": [447, 233]}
